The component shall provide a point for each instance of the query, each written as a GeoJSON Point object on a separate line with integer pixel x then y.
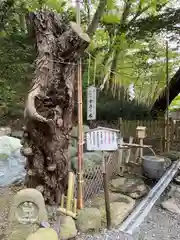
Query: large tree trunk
{"type": "Point", "coordinates": [160, 104]}
{"type": "Point", "coordinates": [49, 106]}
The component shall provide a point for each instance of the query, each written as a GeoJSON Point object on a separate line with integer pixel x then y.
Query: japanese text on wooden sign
{"type": "Point", "coordinates": [102, 140]}
{"type": "Point", "coordinates": [91, 103]}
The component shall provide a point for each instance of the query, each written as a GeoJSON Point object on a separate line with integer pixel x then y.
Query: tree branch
{"type": "Point", "coordinates": [96, 19]}
{"type": "Point", "coordinates": [152, 24]}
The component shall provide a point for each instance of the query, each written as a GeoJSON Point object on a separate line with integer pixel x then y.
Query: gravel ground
{"type": "Point", "coordinates": [159, 224]}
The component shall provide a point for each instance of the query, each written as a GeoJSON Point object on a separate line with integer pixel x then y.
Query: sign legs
{"type": "Point", "coordinates": [106, 193]}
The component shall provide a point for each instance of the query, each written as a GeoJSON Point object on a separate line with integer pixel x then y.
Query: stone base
{"type": "Point", "coordinates": [131, 186]}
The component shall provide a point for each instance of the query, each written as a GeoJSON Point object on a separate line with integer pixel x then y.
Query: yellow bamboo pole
{"type": "Point", "coordinates": [62, 201]}
{"type": "Point", "coordinates": [70, 191]}
{"type": "Point", "coordinates": [80, 124]}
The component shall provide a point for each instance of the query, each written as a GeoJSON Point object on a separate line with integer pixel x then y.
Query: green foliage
{"type": "Point", "coordinates": [175, 104]}
{"type": "Point", "coordinates": [126, 47]}
{"type": "Point", "coordinates": [109, 109]}
{"type": "Point", "coordinates": [15, 74]}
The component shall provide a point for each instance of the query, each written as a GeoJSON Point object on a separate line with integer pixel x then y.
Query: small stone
{"type": "Point", "coordinates": [44, 224]}
{"type": "Point", "coordinates": [177, 180]}
{"type": "Point", "coordinates": [59, 122]}
{"type": "Point", "coordinates": [171, 205]}
{"type": "Point", "coordinates": [27, 151]}
{"type": "Point", "coordinates": [89, 220]}
{"type": "Point", "coordinates": [51, 167]}
{"type": "Point", "coordinates": [68, 228]}
{"type": "Point", "coordinates": [40, 188]}
{"type": "Point", "coordinates": [30, 172]}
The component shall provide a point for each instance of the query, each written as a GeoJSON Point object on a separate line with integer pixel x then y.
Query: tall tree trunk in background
{"type": "Point", "coordinates": [160, 105]}
{"type": "Point", "coordinates": [49, 106]}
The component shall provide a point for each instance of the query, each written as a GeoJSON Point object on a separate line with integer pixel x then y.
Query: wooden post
{"type": "Point", "coordinates": [129, 150]}
{"type": "Point", "coordinates": [141, 149]}
{"type": "Point", "coordinates": [167, 98]}
{"type": "Point", "coordinates": [106, 193]}
{"type": "Point", "coordinates": [120, 150]}
{"type": "Point", "coordinates": [120, 124]}
{"type": "Point", "coordinates": [141, 134]}
{"type": "Point", "coordinates": [119, 160]}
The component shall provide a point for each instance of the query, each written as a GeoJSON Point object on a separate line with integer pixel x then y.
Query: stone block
{"type": "Point", "coordinates": [89, 220]}
{"type": "Point", "coordinates": [26, 213]}
{"type": "Point", "coordinates": [68, 228]}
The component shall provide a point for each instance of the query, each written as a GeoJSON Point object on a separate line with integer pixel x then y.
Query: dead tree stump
{"type": "Point", "coordinates": [49, 106]}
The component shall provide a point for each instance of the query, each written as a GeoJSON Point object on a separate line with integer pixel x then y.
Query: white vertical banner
{"type": "Point", "coordinates": [91, 103]}
{"type": "Point", "coordinates": [131, 91]}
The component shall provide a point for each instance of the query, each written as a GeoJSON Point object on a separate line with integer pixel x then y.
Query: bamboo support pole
{"type": "Point", "coordinates": [62, 201]}
{"type": "Point", "coordinates": [80, 124]}
{"type": "Point", "coordinates": [70, 191]}
{"type": "Point", "coordinates": [129, 150]}
{"type": "Point", "coordinates": [120, 156]}
{"type": "Point", "coordinates": [136, 145]}
{"type": "Point", "coordinates": [75, 206]}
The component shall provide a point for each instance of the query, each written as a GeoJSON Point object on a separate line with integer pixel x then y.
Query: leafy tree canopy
{"type": "Point", "coordinates": [127, 47]}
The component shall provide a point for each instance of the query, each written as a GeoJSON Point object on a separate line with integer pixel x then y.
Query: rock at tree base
{"type": "Point", "coordinates": [11, 161]}
{"type": "Point", "coordinates": [5, 131]}
{"type": "Point", "coordinates": [43, 234]}
{"type": "Point", "coordinates": [68, 228]}
{"type": "Point", "coordinates": [89, 220]}
{"type": "Point", "coordinates": [26, 213]}
{"type": "Point", "coordinates": [131, 186]}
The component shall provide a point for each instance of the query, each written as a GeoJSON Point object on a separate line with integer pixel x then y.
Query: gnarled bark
{"type": "Point", "coordinates": [48, 112]}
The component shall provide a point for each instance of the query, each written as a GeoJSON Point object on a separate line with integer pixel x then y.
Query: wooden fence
{"type": "Point", "coordinates": [158, 135]}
